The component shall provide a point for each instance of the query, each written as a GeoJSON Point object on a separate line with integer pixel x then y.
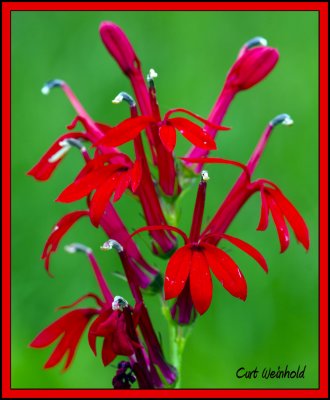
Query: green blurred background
{"type": "Point", "coordinates": [191, 51]}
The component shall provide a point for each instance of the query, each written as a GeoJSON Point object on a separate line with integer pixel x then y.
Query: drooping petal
{"type": "Point", "coordinates": [125, 131]}
{"type": "Point", "coordinates": [123, 183]}
{"type": "Point", "coordinates": [194, 133]}
{"type": "Point", "coordinates": [282, 229]}
{"type": "Point", "coordinates": [72, 326]}
{"type": "Point", "coordinates": [167, 135]}
{"type": "Point", "coordinates": [226, 271]}
{"type": "Point", "coordinates": [101, 197]}
{"type": "Point", "coordinates": [108, 355]}
{"type": "Point", "coordinates": [214, 160]}
{"type": "Point", "coordinates": [121, 342]}
{"type": "Point", "coordinates": [177, 272]}
{"type": "Point", "coordinates": [83, 186]}
{"type": "Point", "coordinates": [136, 175]}
{"type": "Point", "coordinates": [206, 121]}
{"type": "Point", "coordinates": [44, 168]}
{"type": "Point", "coordinates": [264, 215]}
{"type": "Point", "coordinates": [200, 281]}
{"type": "Point", "coordinates": [293, 217]}
{"type": "Point", "coordinates": [247, 248]}
{"type": "Point", "coordinates": [62, 226]}
{"type": "Point", "coordinates": [86, 296]}
{"type": "Point", "coordinates": [93, 329]}
{"type": "Point", "coordinates": [162, 227]}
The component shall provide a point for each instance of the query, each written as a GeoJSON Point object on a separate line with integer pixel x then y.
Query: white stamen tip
{"type": "Point", "coordinates": [112, 244]}
{"type": "Point", "coordinates": [263, 41]}
{"type": "Point", "coordinates": [288, 121]}
{"type": "Point", "coordinates": [152, 73]}
{"type": "Point", "coordinates": [119, 303]}
{"type": "Point", "coordinates": [76, 247]}
{"type": "Point", "coordinates": [118, 99]}
{"type": "Point", "coordinates": [205, 176]}
{"type": "Point", "coordinates": [45, 90]}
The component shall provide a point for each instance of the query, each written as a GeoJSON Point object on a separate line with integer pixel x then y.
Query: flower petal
{"type": "Point", "coordinates": [62, 226]}
{"type": "Point", "coordinates": [44, 169]}
{"type": "Point", "coordinates": [93, 329]}
{"type": "Point", "coordinates": [264, 215]}
{"type": "Point", "coordinates": [215, 160]}
{"type": "Point", "coordinates": [108, 354]}
{"type": "Point", "coordinates": [200, 281]}
{"type": "Point", "coordinates": [162, 227]}
{"type": "Point", "coordinates": [293, 217]}
{"type": "Point", "coordinates": [177, 272]}
{"type": "Point", "coordinates": [167, 135]}
{"type": "Point", "coordinates": [282, 229]}
{"type": "Point", "coordinates": [247, 248]}
{"type": "Point", "coordinates": [125, 131]}
{"type": "Point", "coordinates": [83, 186]}
{"type": "Point", "coordinates": [123, 183]}
{"type": "Point", "coordinates": [194, 133]}
{"type": "Point", "coordinates": [100, 199]}
{"type": "Point", "coordinates": [226, 271]}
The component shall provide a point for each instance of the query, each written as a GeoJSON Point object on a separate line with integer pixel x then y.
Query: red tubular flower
{"type": "Point", "coordinates": [282, 210]}
{"type": "Point", "coordinates": [106, 179]}
{"type": "Point", "coordinates": [62, 226]}
{"type": "Point", "coordinates": [44, 169]}
{"type": "Point", "coordinates": [253, 64]}
{"type": "Point", "coordinates": [191, 131]}
{"type": "Point", "coordinates": [197, 257]}
{"type": "Point", "coordinates": [69, 329]}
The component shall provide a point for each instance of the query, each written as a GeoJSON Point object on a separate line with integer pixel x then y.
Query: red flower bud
{"type": "Point", "coordinates": [119, 47]}
{"type": "Point", "coordinates": [252, 67]}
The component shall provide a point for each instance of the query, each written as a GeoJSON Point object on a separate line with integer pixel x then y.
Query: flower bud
{"type": "Point", "coordinates": [119, 47]}
{"type": "Point", "coordinates": [252, 67]}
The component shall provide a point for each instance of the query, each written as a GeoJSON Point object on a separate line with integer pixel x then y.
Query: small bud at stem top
{"type": "Point", "coordinates": [50, 85]}
{"type": "Point", "coordinates": [77, 247]}
{"type": "Point", "coordinates": [204, 176]}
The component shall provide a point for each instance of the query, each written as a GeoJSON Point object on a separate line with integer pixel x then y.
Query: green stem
{"type": "Point", "coordinates": [178, 337]}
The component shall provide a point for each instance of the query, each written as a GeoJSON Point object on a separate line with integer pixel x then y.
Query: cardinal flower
{"type": "Point", "coordinates": [106, 179]}
{"type": "Point", "coordinates": [273, 201]}
{"type": "Point", "coordinates": [197, 258]}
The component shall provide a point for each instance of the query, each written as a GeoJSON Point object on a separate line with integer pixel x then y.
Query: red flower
{"type": "Point", "coordinates": [62, 226]}
{"type": "Point", "coordinates": [53, 156]}
{"type": "Point", "coordinates": [282, 210]}
{"type": "Point", "coordinates": [106, 179]}
{"type": "Point", "coordinates": [69, 329]}
{"type": "Point", "coordinates": [252, 65]}
{"type": "Point", "coordinates": [191, 131]}
{"type": "Point", "coordinates": [111, 325]}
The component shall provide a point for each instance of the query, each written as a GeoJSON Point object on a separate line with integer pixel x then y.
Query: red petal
{"type": "Point", "coordinates": [123, 183]}
{"type": "Point", "coordinates": [162, 227]}
{"type": "Point", "coordinates": [101, 198]}
{"type": "Point", "coordinates": [247, 248]}
{"type": "Point", "coordinates": [93, 330]}
{"type": "Point", "coordinates": [200, 282]}
{"type": "Point", "coordinates": [136, 174]}
{"type": "Point", "coordinates": [264, 215]}
{"type": "Point", "coordinates": [194, 133]}
{"type": "Point", "coordinates": [83, 186]}
{"type": "Point", "coordinates": [86, 296]}
{"type": "Point", "coordinates": [292, 215]}
{"type": "Point", "coordinates": [215, 160]}
{"type": "Point", "coordinates": [125, 131]}
{"type": "Point", "coordinates": [206, 121]}
{"type": "Point", "coordinates": [226, 271]}
{"type": "Point", "coordinates": [107, 353]}
{"type": "Point", "coordinates": [167, 135]}
{"type": "Point", "coordinates": [282, 229]}
{"type": "Point", "coordinates": [44, 169]}
{"type": "Point", "coordinates": [121, 342]}
{"type": "Point", "coordinates": [62, 226]}
{"type": "Point", "coordinates": [177, 272]}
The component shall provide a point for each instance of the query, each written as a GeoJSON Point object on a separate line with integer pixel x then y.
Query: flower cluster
{"type": "Point", "coordinates": [108, 173]}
